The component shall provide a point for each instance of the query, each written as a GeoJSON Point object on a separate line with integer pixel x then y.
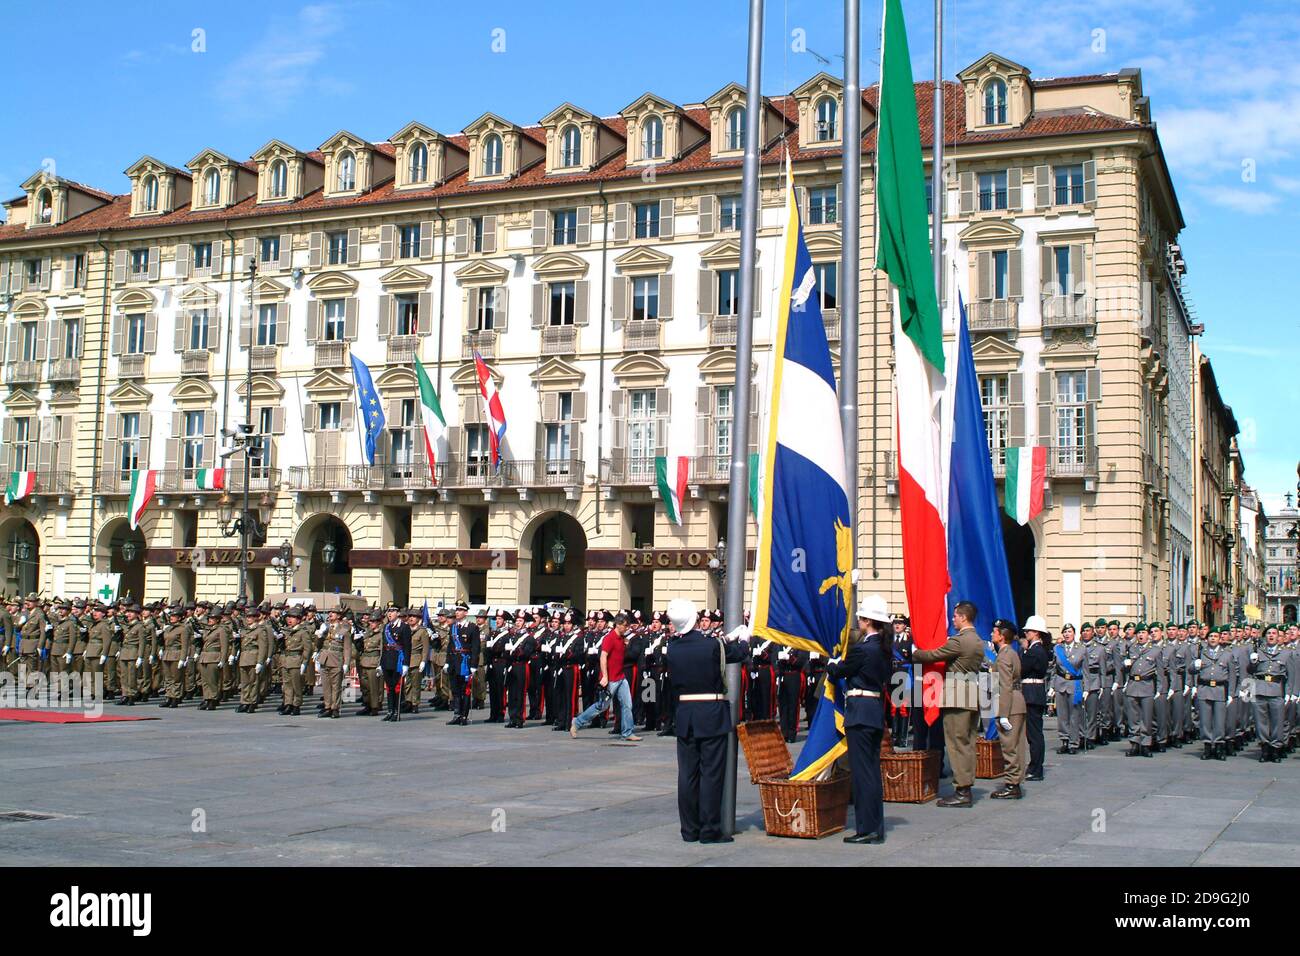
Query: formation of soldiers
{"type": "Point", "coordinates": [1157, 687]}
{"type": "Point", "coordinates": [1162, 687]}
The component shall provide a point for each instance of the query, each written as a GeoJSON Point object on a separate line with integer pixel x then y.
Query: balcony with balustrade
{"type": "Point", "coordinates": [196, 362]}
{"type": "Point", "coordinates": [132, 366]}
{"type": "Point", "coordinates": [1072, 461]}
{"type": "Point", "coordinates": [22, 373]}
{"type": "Point", "coordinates": [483, 341]}
{"type": "Point", "coordinates": [403, 349]}
{"type": "Point", "coordinates": [722, 331]}
{"type": "Point", "coordinates": [831, 322]}
{"type": "Point", "coordinates": [642, 335]}
{"type": "Point", "coordinates": [266, 359]}
{"type": "Point", "coordinates": [331, 354]}
{"type": "Point", "coordinates": [65, 371]}
{"type": "Point", "coordinates": [993, 316]}
{"type": "Point", "coordinates": [1068, 312]}
{"type": "Point", "coordinates": [559, 340]}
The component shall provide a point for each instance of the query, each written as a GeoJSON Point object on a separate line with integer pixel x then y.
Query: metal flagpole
{"type": "Point", "coordinates": [738, 490]}
{"type": "Point", "coordinates": [851, 193]}
{"type": "Point", "coordinates": [937, 178]}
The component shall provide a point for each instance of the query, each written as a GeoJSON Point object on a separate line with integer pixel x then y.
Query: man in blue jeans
{"type": "Point", "coordinates": [613, 682]}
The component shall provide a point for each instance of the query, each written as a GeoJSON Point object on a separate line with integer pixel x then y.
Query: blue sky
{"type": "Point", "coordinates": [1223, 78]}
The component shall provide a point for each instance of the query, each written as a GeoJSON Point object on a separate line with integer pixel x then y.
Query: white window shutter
{"type": "Point", "coordinates": [580, 297]}
{"type": "Point", "coordinates": [354, 246]}
{"type": "Point", "coordinates": [387, 239]}
{"type": "Point", "coordinates": [218, 260]}
{"type": "Point", "coordinates": [584, 225]}
{"type": "Point", "coordinates": [1042, 187]}
{"type": "Point", "coordinates": [966, 191]}
{"type": "Point", "coordinates": [619, 298]}
{"type": "Point", "coordinates": [489, 234]}
{"type": "Point", "coordinates": [1015, 285]}
{"type": "Point", "coordinates": [1013, 188]}
{"type": "Point", "coordinates": [286, 251]}
{"type": "Point", "coordinates": [385, 316]}
{"type": "Point", "coordinates": [350, 308]}
{"type": "Point", "coordinates": [706, 295]}
{"type": "Point", "coordinates": [1090, 182]}
{"type": "Point", "coordinates": [540, 220]}
{"type": "Point", "coordinates": [155, 263]}
{"type": "Point", "coordinates": [622, 211]}
{"type": "Point", "coordinates": [502, 314]}
{"type": "Point", "coordinates": [706, 215]}
{"type": "Point", "coordinates": [666, 218]}
{"type": "Point", "coordinates": [665, 297]}
{"type": "Point", "coordinates": [183, 255]}
{"type": "Point", "coordinates": [462, 236]}
{"type": "Point", "coordinates": [539, 305]}
{"type": "Point", "coordinates": [426, 239]}
{"type": "Point", "coordinates": [315, 249]}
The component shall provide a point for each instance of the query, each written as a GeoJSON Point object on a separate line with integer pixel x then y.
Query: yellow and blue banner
{"type": "Point", "coordinates": [803, 576]}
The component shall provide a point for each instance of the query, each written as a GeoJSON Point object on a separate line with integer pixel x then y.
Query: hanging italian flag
{"type": "Point", "coordinates": [431, 418]}
{"type": "Point", "coordinates": [210, 479]}
{"type": "Point", "coordinates": [671, 473]}
{"type": "Point", "coordinates": [21, 484]}
{"type": "Point", "coordinates": [903, 253]}
{"type": "Point", "coordinates": [142, 486]}
{"type": "Point", "coordinates": [1026, 478]}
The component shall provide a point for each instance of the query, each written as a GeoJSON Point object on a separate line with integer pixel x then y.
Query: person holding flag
{"type": "Point", "coordinates": [865, 670]}
{"type": "Point", "coordinates": [963, 654]}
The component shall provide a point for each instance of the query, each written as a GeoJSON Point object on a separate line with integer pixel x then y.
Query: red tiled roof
{"type": "Point", "coordinates": [1073, 80]}
{"type": "Point", "coordinates": [116, 215]}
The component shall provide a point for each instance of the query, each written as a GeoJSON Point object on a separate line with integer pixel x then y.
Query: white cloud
{"type": "Point", "coordinates": [282, 66]}
{"type": "Point", "coordinates": [1251, 201]}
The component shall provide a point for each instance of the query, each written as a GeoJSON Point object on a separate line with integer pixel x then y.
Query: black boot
{"type": "Point", "coordinates": [1134, 750]}
{"type": "Point", "coordinates": [1209, 752]}
{"type": "Point", "coordinates": [961, 797]}
{"type": "Point", "coordinates": [1009, 792]}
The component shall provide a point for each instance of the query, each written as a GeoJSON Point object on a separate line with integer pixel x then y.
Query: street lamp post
{"type": "Point", "coordinates": [285, 563]}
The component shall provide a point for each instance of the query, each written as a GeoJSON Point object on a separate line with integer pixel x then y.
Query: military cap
{"type": "Point", "coordinates": [462, 605]}
{"type": "Point", "coordinates": [293, 611]}
{"type": "Point", "coordinates": [1141, 627]}
{"type": "Point", "coordinates": [482, 612]}
{"type": "Point", "coordinates": [1155, 624]}
{"type": "Point", "coordinates": [443, 612]}
{"type": "Point", "coordinates": [1100, 622]}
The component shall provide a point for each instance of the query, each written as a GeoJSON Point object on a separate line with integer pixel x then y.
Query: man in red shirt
{"type": "Point", "coordinates": [613, 683]}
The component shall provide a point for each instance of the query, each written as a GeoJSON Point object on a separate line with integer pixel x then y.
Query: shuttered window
{"type": "Point", "coordinates": [492, 153]}
{"type": "Point", "coordinates": [559, 436]}
{"type": "Point", "coordinates": [993, 190]}
{"type": "Point", "coordinates": [330, 416]}
{"type": "Point", "coordinates": [338, 248]}
{"type": "Point", "coordinates": [564, 227]}
{"type": "Point", "coordinates": [199, 329]}
{"type": "Point", "coordinates": [259, 446]}
{"type": "Point", "coordinates": [485, 312]}
{"type": "Point", "coordinates": [129, 455]}
{"type": "Point", "coordinates": [135, 329]}
{"type": "Point", "coordinates": [334, 326]}
{"type": "Point", "coordinates": [478, 451]}
{"type": "Point", "coordinates": [722, 421]}
{"type": "Point", "coordinates": [1069, 184]}
{"type": "Point", "coordinates": [202, 252]}
{"type": "Point", "coordinates": [995, 103]}
{"type": "Point", "coordinates": [409, 247]}
{"type": "Point", "coordinates": [407, 312]}
{"type": "Point", "coordinates": [563, 304]}
{"type": "Point", "coordinates": [728, 292]}
{"type": "Point", "coordinates": [1071, 417]}
{"type": "Point", "coordinates": [71, 338]}
{"type": "Point", "coordinates": [266, 314]}
{"type": "Point", "coordinates": [652, 138]}
{"type": "Point", "coordinates": [995, 401]}
{"type": "Point", "coordinates": [139, 263]}
{"type": "Point", "coordinates": [269, 251]}
{"type": "Point", "coordinates": [828, 284]}
{"type": "Point", "coordinates": [193, 445]}
{"type": "Point", "coordinates": [645, 297]}
{"type": "Point", "coordinates": [476, 232]}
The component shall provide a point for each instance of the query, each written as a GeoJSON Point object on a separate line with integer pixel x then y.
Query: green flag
{"type": "Point", "coordinates": [903, 229]}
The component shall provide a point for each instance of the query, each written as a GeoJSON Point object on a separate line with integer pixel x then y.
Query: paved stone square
{"type": "Point", "coordinates": [302, 791]}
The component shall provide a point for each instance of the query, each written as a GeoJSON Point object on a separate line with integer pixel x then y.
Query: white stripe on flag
{"type": "Point", "coordinates": [809, 422]}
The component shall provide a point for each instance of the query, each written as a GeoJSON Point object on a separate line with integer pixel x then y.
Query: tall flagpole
{"type": "Point", "coordinates": [937, 179]}
{"type": "Point", "coordinates": [851, 200]}
{"type": "Point", "coordinates": [738, 490]}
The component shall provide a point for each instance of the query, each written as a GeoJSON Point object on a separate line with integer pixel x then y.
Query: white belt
{"type": "Point", "coordinates": [862, 693]}
{"type": "Point", "coordinates": [1032, 680]}
{"type": "Point", "coordinates": [702, 697]}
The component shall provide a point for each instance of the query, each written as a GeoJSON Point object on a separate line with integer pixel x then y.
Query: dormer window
{"type": "Point", "coordinates": [419, 166]}
{"type": "Point", "coordinates": [571, 147]}
{"type": "Point", "coordinates": [736, 128]}
{"type": "Point", "coordinates": [151, 194]}
{"type": "Point", "coordinates": [995, 103]}
{"type": "Point", "coordinates": [828, 120]}
{"type": "Point", "coordinates": [347, 172]}
{"type": "Point", "coordinates": [652, 138]}
{"type": "Point", "coordinates": [493, 151]}
{"type": "Point", "coordinates": [211, 187]}
{"type": "Point", "coordinates": [44, 207]}
{"type": "Point", "coordinates": [279, 179]}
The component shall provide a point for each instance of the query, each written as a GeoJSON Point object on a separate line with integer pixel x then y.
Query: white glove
{"type": "Point", "coordinates": [833, 660]}
{"type": "Point", "coordinates": [473, 671]}
{"type": "Point", "coordinates": [1193, 691]}
{"type": "Point", "coordinates": [814, 656]}
{"type": "Point", "coordinates": [754, 653]}
{"type": "Point", "coordinates": [1254, 656]}
{"type": "Point", "coordinates": [1051, 692]}
{"type": "Point", "coordinates": [405, 670]}
{"type": "Point", "coordinates": [102, 659]}
{"type": "Point", "coordinates": [268, 662]}
{"type": "Point", "coordinates": [153, 658]}
{"type": "Point", "coordinates": [423, 665]}
{"type": "Point", "coordinates": [1128, 662]}
{"type": "Point", "coordinates": [1197, 663]}
{"type": "Point", "coordinates": [739, 633]}
{"type": "Point", "coordinates": [1086, 693]}
{"type": "Point", "coordinates": [181, 664]}
{"type": "Point", "coordinates": [1170, 695]}
{"type": "Point", "coordinates": [784, 655]}
{"type": "Point", "coordinates": [139, 662]}
{"type": "Point", "coordinates": [67, 658]}
{"type": "Point", "coordinates": [258, 669]}
{"type": "Point", "coordinates": [302, 668]}
{"type": "Point", "coordinates": [379, 672]}
{"type": "Point", "coordinates": [230, 661]}
{"type": "Point", "coordinates": [445, 668]}
{"type": "Point", "coordinates": [1004, 724]}
{"type": "Point", "coordinates": [1242, 693]}
{"type": "Point", "coordinates": [315, 658]}
{"type": "Point", "coordinates": [1114, 686]}
{"type": "Point", "coordinates": [4, 650]}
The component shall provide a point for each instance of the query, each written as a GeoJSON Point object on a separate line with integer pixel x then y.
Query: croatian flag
{"type": "Point", "coordinates": [492, 410]}
{"type": "Point", "coordinates": [803, 499]}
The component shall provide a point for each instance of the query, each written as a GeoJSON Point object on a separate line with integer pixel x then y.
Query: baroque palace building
{"type": "Point", "coordinates": [592, 262]}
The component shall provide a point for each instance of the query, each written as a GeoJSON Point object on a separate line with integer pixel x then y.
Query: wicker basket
{"type": "Point", "coordinates": [806, 809]}
{"type": "Point", "coordinates": [988, 759]}
{"type": "Point", "coordinates": [909, 776]}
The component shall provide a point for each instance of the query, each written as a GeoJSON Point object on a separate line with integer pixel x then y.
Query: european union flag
{"type": "Point", "coordinates": [370, 410]}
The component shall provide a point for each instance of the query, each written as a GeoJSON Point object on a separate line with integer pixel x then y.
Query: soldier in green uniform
{"type": "Point", "coordinates": [299, 643]}
{"type": "Point", "coordinates": [175, 655]}
{"type": "Point", "coordinates": [368, 673]}
{"type": "Point", "coordinates": [438, 658]}
{"type": "Point", "coordinates": [309, 672]}
{"type": "Point", "coordinates": [63, 639]}
{"type": "Point", "coordinates": [8, 634]}
{"type": "Point", "coordinates": [254, 659]}
{"type": "Point", "coordinates": [213, 656]}
{"type": "Point", "coordinates": [196, 619]}
{"type": "Point", "coordinates": [265, 675]}
{"type": "Point", "coordinates": [97, 651]}
{"type": "Point", "coordinates": [335, 660]}
{"type": "Point", "coordinates": [131, 655]}
{"type": "Point", "coordinates": [33, 645]}
{"type": "Point", "coordinates": [413, 687]}
{"type": "Point", "coordinates": [152, 674]}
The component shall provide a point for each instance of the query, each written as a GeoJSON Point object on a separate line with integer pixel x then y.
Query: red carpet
{"type": "Point", "coordinates": [61, 717]}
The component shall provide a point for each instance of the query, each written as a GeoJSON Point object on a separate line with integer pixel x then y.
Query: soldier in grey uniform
{"type": "Point", "coordinates": [1274, 669]}
{"type": "Point", "coordinates": [1067, 661]}
{"type": "Point", "coordinates": [1191, 638]}
{"type": "Point", "coordinates": [1143, 670]}
{"type": "Point", "coordinates": [1239, 707]}
{"type": "Point", "coordinates": [1096, 680]}
{"type": "Point", "coordinates": [1180, 683]}
{"type": "Point", "coordinates": [1215, 685]}
{"type": "Point", "coordinates": [1118, 647]}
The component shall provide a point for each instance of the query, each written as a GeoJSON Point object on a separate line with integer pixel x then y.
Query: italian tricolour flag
{"type": "Point", "coordinates": [671, 473]}
{"type": "Point", "coordinates": [1026, 478]}
{"type": "Point", "coordinates": [433, 424]}
{"type": "Point", "coordinates": [21, 484]}
{"type": "Point", "coordinates": [142, 486]}
{"type": "Point", "coordinates": [210, 479]}
{"type": "Point", "coordinates": [903, 253]}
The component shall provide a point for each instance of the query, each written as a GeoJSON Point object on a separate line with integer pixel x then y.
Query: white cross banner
{"type": "Point", "coordinates": [103, 586]}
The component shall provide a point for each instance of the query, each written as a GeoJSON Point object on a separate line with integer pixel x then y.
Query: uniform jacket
{"type": "Point", "coordinates": [1216, 677]}
{"type": "Point", "coordinates": [695, 667]}
{"type": "Point", "coordinates": [176, 643]}
{"type": "Point", "coordinates": [965, 656]}
{"type": "Point", "coordinates": [1033, 666]}
{"type": "Point", "coordinates": [1095, 666]}
{"type": "Point", "coordinates": [864, 667]}
{"type": "Point", "coordinates": [1011, 700]}
{"type": "Point", "coordinates": [1144, 671]}
{"type": "Point", "coordinates": [216, 644]}
{"type": "Point", "coordinates": [255, 645]}
{"type": "Point", "coordinates": [469, 641]}
{"type": "Point", "coordinates": [336, 646]}
{"type": "Point", "coordinates": [1274, 669]}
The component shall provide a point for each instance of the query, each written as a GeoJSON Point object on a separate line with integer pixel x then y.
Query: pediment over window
{"type": "Point", "coordinates": [134, 300]}
{"type": "Point", "coordinates": [725, 252]}
{"type": "Point", "coordinates": [406, 279]}
{"type": "Point", "coordinates": [21, 400]}
{"type": "Point", "coordinates": [397, 379]}
{"type": "Point", "coordinates": [191, 392]}
{"type": "Point", "coordinates": [28, 309]}
{"type": "Point", "coordinates": [640, 371]}
{"type": "Point", "coordinates": [719, 367]}
{"type": "Point", "coordinates": [1000, 232]}
{"type": "Point", "coordinates": [328, 383]}
{"type": "Point", "coordinates": [560, 265]}
{"type": "Point", "coordinates": [326, 284]}
{"type": "Point", "coordinates": [557, 375]}
{"type": "Point", "coordinates": [266, 390]}
{"type": "Point", "coordinates": [268, 290]}
{"type": "Point", "coordinates": [824, 244]}
{"type": "Point", "coordinates": [198, 295]}
{"type": "Point", "coordinates": [644, 259]}
{"type": "Point", "coordinates": [465, 378]}
{"type": "Point", "coordinates": [993, 353]}
{"type": "Point", "coordinates": [129, 395]}
{"type": "Point", "coordinates": [482, 272]}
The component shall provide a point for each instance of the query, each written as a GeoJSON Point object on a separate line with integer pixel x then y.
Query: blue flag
{"type": "Point", "coordinates": [977, 560]}
{"type": "Point", "coordinates": [804, 588]}
{"type": "Point", "coordinates": [370, 410]}
{"type": "Point", "coordinates": [424, 615]}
